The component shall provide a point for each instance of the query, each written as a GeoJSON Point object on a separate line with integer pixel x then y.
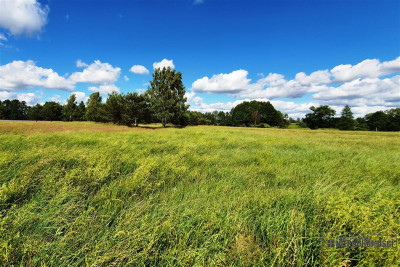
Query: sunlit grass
{"type": "Point", "coordinates": [100, 194]}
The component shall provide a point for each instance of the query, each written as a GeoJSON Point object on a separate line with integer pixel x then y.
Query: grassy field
{"type": "Point", "coordinates": [74, 194]}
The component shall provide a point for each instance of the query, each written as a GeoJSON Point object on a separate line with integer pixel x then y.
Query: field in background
{"type": "Point", "coordinates": [99, 194]}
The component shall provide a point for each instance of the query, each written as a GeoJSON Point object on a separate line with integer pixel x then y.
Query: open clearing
{"type": "Point", "coordinates": [99, 194]}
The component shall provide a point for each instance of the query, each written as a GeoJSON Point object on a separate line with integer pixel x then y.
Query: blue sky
{"type": "Point", "coordinates": [293, 53]}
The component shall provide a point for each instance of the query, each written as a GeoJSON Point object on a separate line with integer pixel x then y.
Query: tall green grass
{"type": "Point", "coordinates": [74, 194]}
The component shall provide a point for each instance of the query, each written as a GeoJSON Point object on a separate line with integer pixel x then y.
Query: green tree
{"type": "Point", "coordinates": [377, 121]}
{"type": "Point", "coordinates": [52, 111]}
{"type": "Point", "coordinates": [36, 113]}
{"type": "Point", "coordinates": [70, 108]}
{"type": "Point", "coordinates": [114, 107]}
{"type": "Point", "coordinates": [80, 112]}
{"type": "Point", "coordinates": [361, 124]}
{"type": "Point", "coordinates": [394, 119]}
{"type": "Point", "coordinates": [13, 110]}
{"type": "Point", "coordinates": [250, 113]}
{"type": "Point", "coordinates": [346, 121]}
{"type": "Point", "coordinates": [167, 96]}
{"type": "Point", "coordinates": [135, 107]}
{"type": "Point", "coordinates": [94, 108]}
{"type": "Point", "coordinates": [322, 117]}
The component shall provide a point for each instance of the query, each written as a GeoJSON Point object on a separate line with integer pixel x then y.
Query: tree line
{"type": "Point", "coordinates": [324, 117]}
{"type": "Point", "coordinates": [164, 102]}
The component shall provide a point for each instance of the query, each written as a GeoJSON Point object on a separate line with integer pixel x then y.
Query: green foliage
{"type": "Point", "coordinates": [52, 111]}
{"type": "Point", "coordinates": [199, 196]}
{"type": "Point", "coordinates": [36, 113]}
{"type": "Point", "coordinates": [80, 112]}
{"type": "Point", "coordinates": [135, 108]}
{"type": "Point", "coordinates": [13, 110]}
{"type": "Point", "coordinates": [114, 107]}
{"type": "Point", "coordinates": [361, 125]}
{"type": "Point", "coordinates": [346, 121]}
{"type": "Point", "coordinates": [167, 96]}
{"type": "Point", "coordinates": [322, 117]}
{"type": "Point", "coordinates": [70, 108]}
{"type": "Point", "coordinates": [94, 108]}
{"type": "Point", "coordinates": [255, 112]}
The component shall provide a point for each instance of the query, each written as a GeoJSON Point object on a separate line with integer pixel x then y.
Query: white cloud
{"type": "Point", "coordinates": [189, 96]}
{"type": "Point", "coordinates": [233, 82]}
{"type": "Point", "coordinates": [199, 105]}
{"type": "Point", "coordinates": [238, 85]}
{"type": "Point", "coordinates": [139, 69]}
{"type": "Point", "coordinates": [19, 75]}
{"type": "Point", "coordinates": [97, 73]}
{"type": "Point", "coordinates": [369, 68]}
{"type": "Point", "coordinates": [23, 16]}
{"type": "Point", "coordinates": [164, 63]}
{"type": "Point", "coordinates": [81, 64]}
{"type": "Point", "coordinates": [361, 88]}
{"type": "Point", "coordinates": [29, 98]}
{"type": "Point", "coordinates": [359, 92]}
{"type": "Point", "coordinates": [126, 79]}
{"type": "Point", "coordinates": [80, 96]}
{"type": "Point", "coordinates": [105, 89]}
{"type": "Point", "coordinates": [57, 98]}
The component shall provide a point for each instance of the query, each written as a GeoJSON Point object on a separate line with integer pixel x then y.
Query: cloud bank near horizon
{"type": "Point", "coordinates": [367, 86]}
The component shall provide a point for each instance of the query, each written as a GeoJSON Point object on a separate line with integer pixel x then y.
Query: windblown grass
{"type": "Point", "coordinates": [95, 194]}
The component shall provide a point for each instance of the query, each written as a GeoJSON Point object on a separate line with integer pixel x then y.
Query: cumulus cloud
{"type": "Point", "coordinates": [97, 73]}
{"type": "Point", "coordinates": [126, 79]}
{"type": "Point", "coordinates": [19, 75]}
{"type": "Point", "coordinates": [233, 82]}
{"type": "Point", "coordinates": [164, 63]}
{"type": "Point", "coordinates": [105, 89]}
{"type": "Point", "coordinates": [358, 80]}
{"type": "Point", "coordinates": [237, 84]}
{"type": "Point", "coordinates": [139, 69]}
{"type": "Point", "coordinates": [361, 86]}
{"type": "Point", "coordinates": [29, 98]}
{"type": "Point", "coordinates": [359, 92]}
{"type": "Point", "coordinates": [23, 16]}
{"type": "Point", "coordinates": [369, 68]}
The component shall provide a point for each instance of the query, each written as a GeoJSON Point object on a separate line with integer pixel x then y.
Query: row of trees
{"type": "Point", "coordinates": [324, 117]}
{"type": "Point", "coordinates": [132, 108]}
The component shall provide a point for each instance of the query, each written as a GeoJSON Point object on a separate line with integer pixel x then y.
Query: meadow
{"type": "Point", "coordinates": [83, 193]}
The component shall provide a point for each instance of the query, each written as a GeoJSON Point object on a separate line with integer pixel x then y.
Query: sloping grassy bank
{"type": "Point", "coordinates": [101, 195]}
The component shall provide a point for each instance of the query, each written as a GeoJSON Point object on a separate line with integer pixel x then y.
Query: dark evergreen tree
{"type": "Point", "coordinates": [94, 108]}
{"type": "Point", "coordinates": [69, 111]}
{"type": "Point", "coordinates": [135, 108]}
{"type": "Point", "coordinates": [114, 107]}
{"type": "Point", "coordinates": [80, 112]}
{"type": "Point", "coordinates": [346, 121]}
{"type": "Point", "coordinates": [167, 96]}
